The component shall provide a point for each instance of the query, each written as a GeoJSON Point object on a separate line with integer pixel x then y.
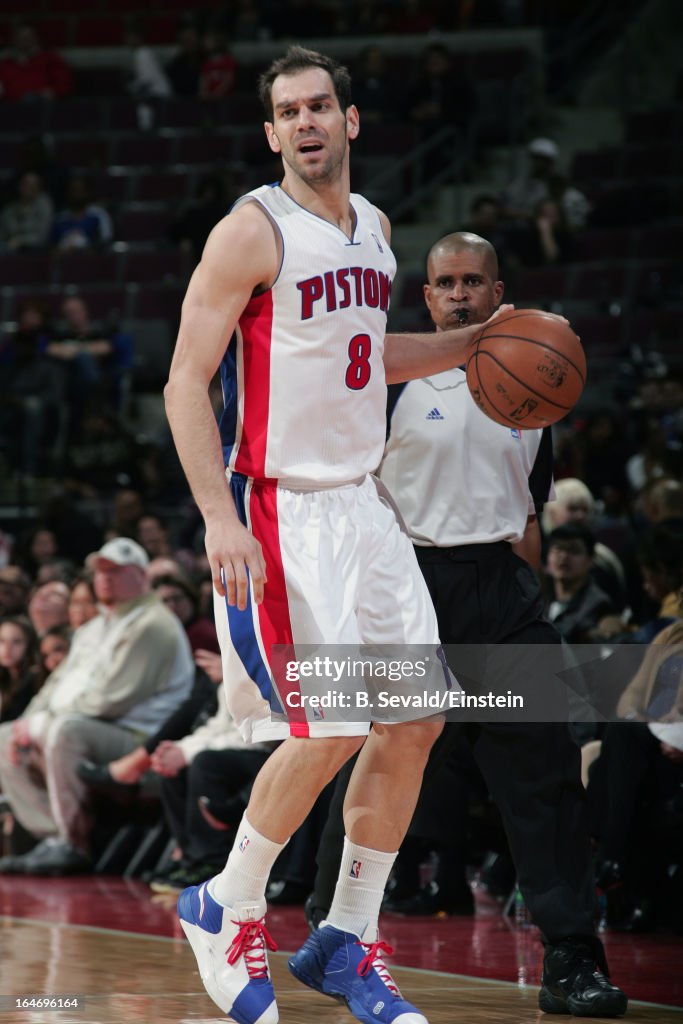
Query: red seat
{"type": "Point", "coordinates": [602, 282]}
{"type": "Point", "coordinates": [159, 185]}
{"type": "Point", "coordinates": [159, 303]}
{"type": "Point", "coordinates": [81, 151]}
{"type": "Point", "coordinates": [140, 149]}
{"type": "Point", "coordinates": [86, 267]}
{"type": "Point", "coordinates": [604, 244]}
{"type": "Point", "coordinates": [24, 269]}
{"type": "Point", "coordinates": [542, 284]}
{"type": "Point", "coordinates": [142, 225]}
{"type": "Point", "coordinates": [155, 267]}
{"type": "Point", "coordinates": [204, 149]}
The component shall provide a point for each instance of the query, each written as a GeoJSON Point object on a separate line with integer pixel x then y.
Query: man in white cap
{"type": "Point", "coordinates": [127, 670]}
{"type": "Point", "coordinates": [543, 180]}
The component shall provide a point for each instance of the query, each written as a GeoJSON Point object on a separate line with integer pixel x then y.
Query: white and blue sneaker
{"type": "Point", "coordinates": [342, 965]}
{"type": "Point", "coordinates": [231, 955]}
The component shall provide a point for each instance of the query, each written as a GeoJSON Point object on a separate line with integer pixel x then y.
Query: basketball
{"type": "Point", "coordinates": [526, 369]}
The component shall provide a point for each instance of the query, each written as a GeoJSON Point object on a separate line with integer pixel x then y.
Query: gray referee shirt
{"type": "Point", "coordinates": [456, 476]}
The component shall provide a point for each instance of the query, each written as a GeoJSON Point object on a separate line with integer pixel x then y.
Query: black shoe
{"type": "Point", "coordinates": [573, 982]}
{"type": "Point", "coordinates": [181, 877]}
{"type": "Point", "coordinates": [99, 777]}
{"type": "Point", "coordinates": [432, 901]}
{"type": "Point", "coordinates": [55, 857]}
{"type": "Point", "coordinates": [314, 914]}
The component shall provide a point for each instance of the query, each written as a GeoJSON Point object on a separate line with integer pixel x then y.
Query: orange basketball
{"type": "Point", "coordinates": [526, 369]}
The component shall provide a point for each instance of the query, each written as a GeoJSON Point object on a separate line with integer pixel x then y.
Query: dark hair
{"type": "Point", "coordinates": [484, 199]}
{"type": "Point", "coordinates": [168, 580]}
{"type": "Point", "coordinates": [573, 531]}
{"type": "Point", "coordinates": [299, 59]}
{"type": "Point", "coordinates": [661, 550]}
{"type": "Point", "coordinates": [30, 660]}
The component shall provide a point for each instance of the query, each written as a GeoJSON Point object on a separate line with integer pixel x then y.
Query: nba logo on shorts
{"type": "Point", "coordinates": [244, 843]}
{"type": "Point", "coordinates": [355, 869]}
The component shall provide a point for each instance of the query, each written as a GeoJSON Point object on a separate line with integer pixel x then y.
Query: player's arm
{"type": "Point", "coordinates": [411, 356]}
{"type": "Point", "coordinates": [240, 256]}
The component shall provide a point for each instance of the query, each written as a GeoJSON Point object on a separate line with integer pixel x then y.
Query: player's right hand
{"type": "Point", "coordinates": [235, 556]}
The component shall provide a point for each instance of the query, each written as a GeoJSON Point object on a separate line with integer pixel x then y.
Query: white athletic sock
{"type": "Point", "coordinates": [241, 884]}
{"type": "Point", "coordinates": [360, 887]}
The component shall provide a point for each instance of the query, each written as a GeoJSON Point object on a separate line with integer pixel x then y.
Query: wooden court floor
{"type": "Point", "coordinates": [120, 977]}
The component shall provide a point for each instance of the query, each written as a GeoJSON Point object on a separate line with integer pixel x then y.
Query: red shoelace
{"type": "Point", "coordinates": [373, 960]}
{"type": "Point", "coordinates": [250, 942]}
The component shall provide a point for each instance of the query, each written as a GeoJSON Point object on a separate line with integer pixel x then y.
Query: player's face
{"type": "Point", "coordinates": [461, 283]}
{"type": "Point", "coordinates": [309, 129]}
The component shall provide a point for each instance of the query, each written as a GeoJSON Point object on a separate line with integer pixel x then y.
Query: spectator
{"type": "Point", "coordinates": [19, 671]}
{"type": "Point", "coordinates": [662, 503]}
{"type": "Point", "coordinates": [92, 358]}
{"type": "Point", "coordinates": [375, 92]}
{"type": "Point", "coordinates": [211, 762]}
{"type": "Point", "coordinates": [37, 157]}
{"type": "Point", "coordinates": [101, 455]}
{"type": "Point", "coordinates": [183, 68]}
{"type": "Point", "coordinates": [639, 769]}
{"type": "Point", "coordinates": [485, 220]}
{"type": "Point", "coordinates": [54, 647]}
{"type": "Point", "coordinates": [56, 570]}
{"type": "Point", "coordinates": [31, 392]}
{"type": "Point", "coordinates": [163, 567]}
{"type": "Point", "coordinates": [29, 72]}
{"type": "Point", "coordinates": [128, 509]}
{"type": "Point", "coordinates": [202, 703]}
{"type": "Point", "coordinates": [152, 533]}
{"type": "Point", "coordinates": [82, 602]}
{"type": "Point", "coordinates": [26, 221]}
{"type": "Point", "coordinates": [49, 606]}
{"type": "Point", "coordinates": [81, 224]}
{"type": "Point", "coordinates": [127, 669]}
{"type": "Point", "coordinates": [248, 26]}
{"type": "Point", "coordinates": [180, 597]}
{"type": "Point", "coordinates": [194, 224]}
{"type": "Point", "coordinates": [576, 604]}
{"type": "Point", "coordinates": [441, 94]}
{"type": "Point", "coordinates": [146, 77]}
{"type": "Point", "coordinates": [540, 181]}
{"type": "Point", "coordinates": [38, 547]}
{"type": "Point", "coordinates": [218, 72]}
{"type": "Point", "coordinates": [15, 585]}
{"type": "Point", "coordinates": [547, 238]}
{"type": "Point", "coordinates": [574, 503]}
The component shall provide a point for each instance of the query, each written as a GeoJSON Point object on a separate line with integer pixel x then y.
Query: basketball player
{"type": "Point", "coordinates": [470, 492]}
{"type": "Point", "coordinates": [301, 548]}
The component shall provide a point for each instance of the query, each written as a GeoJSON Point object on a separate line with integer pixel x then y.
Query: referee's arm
{"type": "Point", "coordinates": [540, 483]}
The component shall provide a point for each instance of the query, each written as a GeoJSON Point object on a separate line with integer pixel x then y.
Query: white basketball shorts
{"type": "Point", "coordinates": [340, 572]}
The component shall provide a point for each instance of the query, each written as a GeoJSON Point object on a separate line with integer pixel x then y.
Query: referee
{"type": "Point", "coordinates": [470, 492]}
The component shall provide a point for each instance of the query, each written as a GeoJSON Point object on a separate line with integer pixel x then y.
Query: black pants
{"type": "Point", "coordinates": [485, 594]}
{"type": "Point", "coordinates": [219, 774]}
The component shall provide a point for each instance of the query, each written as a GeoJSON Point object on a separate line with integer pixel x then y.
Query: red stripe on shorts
{"type": "Point", "coordinates": [273, 612]}
{"type": "Point", "coordinates": [256, 325]}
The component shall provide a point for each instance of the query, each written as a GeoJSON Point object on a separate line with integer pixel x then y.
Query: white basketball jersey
{"type": "Point", "coordinates": [303, 377]}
